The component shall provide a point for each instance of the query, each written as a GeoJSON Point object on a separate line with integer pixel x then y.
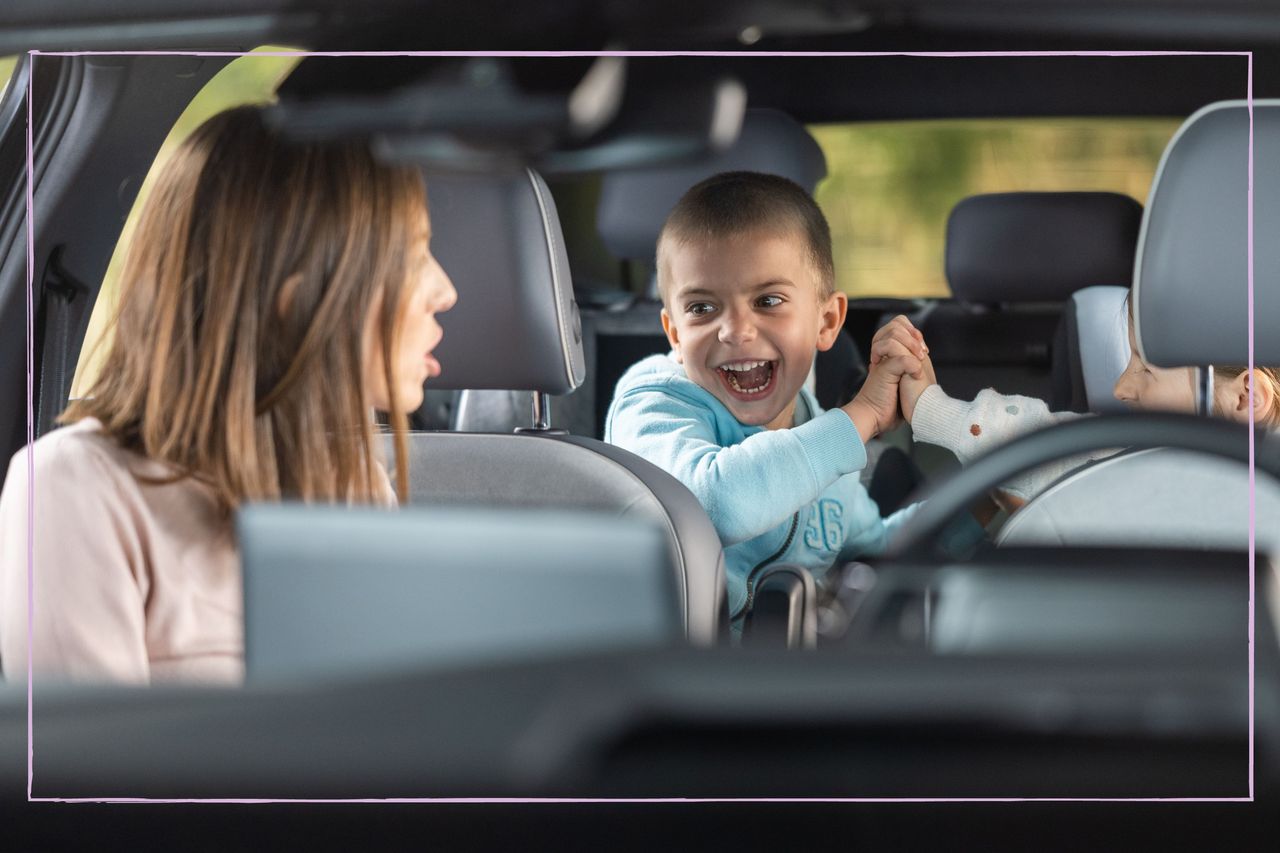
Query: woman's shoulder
{"type": "Point", "coordinates": [78, 440]}
{"type": "Point", "coordinates": [385, 492]}
{"type": "Point", "coordinates": [79, 453]}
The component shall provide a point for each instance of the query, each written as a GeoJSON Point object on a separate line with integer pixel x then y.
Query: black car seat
{"type": "Point", "coordinates": [620, 329]}
{"type": "Point", "coordinates": [1012, 261]}
{"type": "Point", "coordinates": [516, 326]}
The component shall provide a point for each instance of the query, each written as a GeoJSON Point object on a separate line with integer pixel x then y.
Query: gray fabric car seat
{"type": "Point", "coordinates": [1162, 496]}
{"type": "Point", "coordinates": [1191, 280]}
{"type": "Point", "coordinates": [516, 327]}
{"type": "Point", "coordinates": [633, 205]}
{"type": "Point", "coordinates": [1191, 288]}
{"type": "Point", "coordinates": [1012, 261]}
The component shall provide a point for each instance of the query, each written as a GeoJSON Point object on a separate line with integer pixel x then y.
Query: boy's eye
{"type": "Point", "coordinates": [769, 301]}
{"type": "Point", "coordinates": [697, 309]}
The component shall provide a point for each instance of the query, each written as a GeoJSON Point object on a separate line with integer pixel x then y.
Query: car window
{"type": "Point", "coordinates": [592, 266]}
{"type": "Point", "coordinates": [891, 185]}
{"type": "Point", "coordinates": [246, 80]}
{"type": "Point", "coordinates": [7, 64]}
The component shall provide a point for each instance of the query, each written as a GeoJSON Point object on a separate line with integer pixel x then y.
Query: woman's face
{"type": "Point", "coordinates": [427, 293]}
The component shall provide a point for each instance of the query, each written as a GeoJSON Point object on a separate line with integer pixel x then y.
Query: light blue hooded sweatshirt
{"type": "Point", "coordinates": [786, 495]}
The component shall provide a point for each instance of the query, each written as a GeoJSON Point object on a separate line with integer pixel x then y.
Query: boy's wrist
{"type": "Point", "coordinates": [864, 417]}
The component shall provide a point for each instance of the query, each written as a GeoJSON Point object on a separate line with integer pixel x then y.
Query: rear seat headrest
{"type": "Point", "coordinates": [1190, 293]}
{"type": "Point", "coordinates": [634, 203]}
{"type": "Point", "coordinates": [516, 324]}
{"type": "Point", "coordinates": [1039, 246]}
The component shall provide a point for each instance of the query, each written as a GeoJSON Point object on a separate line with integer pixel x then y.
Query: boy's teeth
{"type": "Point", "coordinates": [754, 375]}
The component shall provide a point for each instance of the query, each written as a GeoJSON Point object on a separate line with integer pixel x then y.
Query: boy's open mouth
{"type": "Point", "coordinates": [748, 380]}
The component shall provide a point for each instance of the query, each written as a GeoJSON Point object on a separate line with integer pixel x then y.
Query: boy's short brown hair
{"type": "Point", "coordinates": [732, 203]}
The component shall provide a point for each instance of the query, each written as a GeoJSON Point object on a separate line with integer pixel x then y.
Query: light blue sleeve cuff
{"type": "Point", "coordinates": [832, 445]}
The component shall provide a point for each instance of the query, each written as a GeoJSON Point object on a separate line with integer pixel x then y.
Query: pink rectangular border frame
{"type": "Point", "coordinates": [31, 475]}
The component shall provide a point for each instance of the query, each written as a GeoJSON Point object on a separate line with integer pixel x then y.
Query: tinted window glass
{"type": "Point", "coordinates": [890, 186]}
{"type": "Point", "coordinates": [7, 64]}
{"type": "Point", "coordinates": [247, 80]}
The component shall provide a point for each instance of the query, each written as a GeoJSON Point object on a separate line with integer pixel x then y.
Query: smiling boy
{"type": "Point", "coordinates": [747, 281]}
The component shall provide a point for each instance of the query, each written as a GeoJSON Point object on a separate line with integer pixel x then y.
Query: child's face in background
{"type": "Point", "coordinates": [743, 316]}
{"type": "Point", "coordinates": [1146, 387]}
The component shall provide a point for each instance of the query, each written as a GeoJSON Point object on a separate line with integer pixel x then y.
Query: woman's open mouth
{"type": "Point", "coordinates": [432, 366]}
{"type": "Point", "coordinates": [748, 380]}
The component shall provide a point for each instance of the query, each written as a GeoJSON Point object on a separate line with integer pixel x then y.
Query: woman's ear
{"type": "Point", "coordinates": [832, 315]}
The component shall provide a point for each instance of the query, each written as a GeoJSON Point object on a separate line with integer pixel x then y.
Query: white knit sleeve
{"type": "Point", "coordinates": [970, 429]}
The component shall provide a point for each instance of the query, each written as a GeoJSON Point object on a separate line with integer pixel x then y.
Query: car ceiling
{"type": "Point", "coordinates": [593, 24]}
{"type": "Point", "coordinates": [808, 88]}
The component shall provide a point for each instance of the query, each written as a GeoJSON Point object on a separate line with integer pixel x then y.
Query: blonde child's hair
{"type": "Point", "coordinates": [1270, 419]}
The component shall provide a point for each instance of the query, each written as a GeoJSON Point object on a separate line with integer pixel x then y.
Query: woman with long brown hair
{"type": "Point", "coordinates": [276, 294]}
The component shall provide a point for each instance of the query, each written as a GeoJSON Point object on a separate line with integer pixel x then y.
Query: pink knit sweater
{"type": "Point", "coordinates": [132, 582]}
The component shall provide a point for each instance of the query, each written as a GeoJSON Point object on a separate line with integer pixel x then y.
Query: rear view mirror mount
{"type": "Point", "coordinates": [487, 114]}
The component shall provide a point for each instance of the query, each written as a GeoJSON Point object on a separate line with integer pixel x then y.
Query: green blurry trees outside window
{"type": "Point", "coordinates": [7, 64]}
{"type": "Point", "coordinates": [890, 186]}
{"type": "Point", "coordinates": [249, 79]}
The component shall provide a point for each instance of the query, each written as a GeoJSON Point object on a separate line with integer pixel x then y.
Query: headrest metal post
{"type": "Point", "coordinates": [1204, 405]}
{"type": "Point", "coordinates": [541, 411]}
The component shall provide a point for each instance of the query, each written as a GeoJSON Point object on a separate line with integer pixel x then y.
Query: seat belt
{"type": "Point", "coordinates": [63, 303]}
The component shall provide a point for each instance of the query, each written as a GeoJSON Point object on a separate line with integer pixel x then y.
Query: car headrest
{"type": "Point", "coordinates": [1039, 246]}
{"type": "Point", "coordinates": [515, 325]}
{"type": "Point", "coordinates": [1102, 327]}
{"type": "Point", "coordinates": [1190, 292]}
{"type": "Point", "coordinates": [634, 203]}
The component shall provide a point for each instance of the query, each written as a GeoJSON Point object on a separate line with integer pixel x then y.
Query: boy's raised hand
{"type": "Point", "coordinates": [897, 350]}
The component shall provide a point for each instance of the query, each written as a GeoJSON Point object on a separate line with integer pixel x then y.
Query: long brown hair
{"type": "Point", "coordinates": [238, 349]}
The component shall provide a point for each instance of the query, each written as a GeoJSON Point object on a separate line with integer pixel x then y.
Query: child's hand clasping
{"type": "Point", "coordinates": [912, 386]}
{"type": "Point", "coordinates": [897, 350]}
